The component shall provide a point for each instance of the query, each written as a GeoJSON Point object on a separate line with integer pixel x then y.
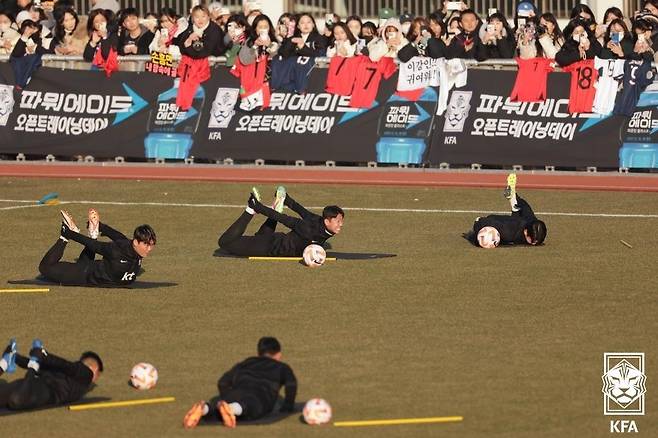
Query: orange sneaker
{"type": "Point", "coordinates": [194, 415]}
{"type": "Point", "coordinates": [228, 417]}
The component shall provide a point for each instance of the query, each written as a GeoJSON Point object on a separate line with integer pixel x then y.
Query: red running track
{"type": "Point", "coordinates": [324, 175]}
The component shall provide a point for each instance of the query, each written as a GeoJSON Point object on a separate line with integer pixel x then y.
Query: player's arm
{"type": "Point", "coordinates": [289, 382]}
{"type": "Point", "coordinates": [225, 382]}
{"type": "Point", "coordinates": [284, 219]}
{"type": "Point", "coordinates": [297, 208]}
{"type": "Point", "coordinates": [102, 248]}
{"type": "Point", "coordinates": [50, 362]}
{"type": "Point", "coordinates": [110, 232]}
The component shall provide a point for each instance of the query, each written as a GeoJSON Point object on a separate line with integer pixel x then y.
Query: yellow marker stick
{"type": "Point", "coordinates": [18, 291]}
{"type": "Point", "coordinates": [398, 421]}
{"type": "Point", "coordinates": [121, 404]}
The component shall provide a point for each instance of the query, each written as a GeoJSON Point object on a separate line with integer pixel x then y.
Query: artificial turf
{"type": "Point", "coordinates": [511, 339]}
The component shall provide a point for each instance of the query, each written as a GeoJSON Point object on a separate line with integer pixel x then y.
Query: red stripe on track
{"type": "Point", "coordinates": [365, 176]}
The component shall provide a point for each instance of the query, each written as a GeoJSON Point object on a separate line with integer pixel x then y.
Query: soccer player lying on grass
{"type": "Point", "coordinates": [122, 258]}
{"type": "Point", "coordinates": [49, 380]}
{"type": "Point", "coordinates": [250, 389]}
{"type": "Point", "coordinates": [522, 227]}
{"type": "Point", "coordinates": [310, 228]}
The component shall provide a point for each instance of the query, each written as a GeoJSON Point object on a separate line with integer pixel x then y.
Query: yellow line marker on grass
{"type": "Point", "coordinates": [399, 421]}
{"type": "Point", "coordinates": [287, 259]}
{"type": "Point", "coordinates": [18, 291]}
{"type": "Point", "coordinates": [121, 404]}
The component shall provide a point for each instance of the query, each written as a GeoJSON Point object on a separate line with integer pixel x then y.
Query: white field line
{"type": "Point", "coordinates": [366, 209]}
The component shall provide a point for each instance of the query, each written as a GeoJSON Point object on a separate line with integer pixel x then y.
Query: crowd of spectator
{"type": "Point", "coordinates": [455, 31]}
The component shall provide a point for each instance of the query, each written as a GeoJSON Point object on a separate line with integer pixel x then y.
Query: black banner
{"type": "Point", "coordinates": [69, 113]}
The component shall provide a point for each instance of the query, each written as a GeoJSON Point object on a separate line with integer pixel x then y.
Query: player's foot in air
{"type": "Point", "coordinates": [8, 361]}
{"type": "Point", "coordinates": [67, 218]}
{"type": "Point", "coordinates": [37, 353]}
{"type": "Point", "coordinates": [93, 221]}
{"type": "Point", "coordinates": [279, 199]}
{"type": "Point", "coordinates": [226, 412]}
{"type": "Point", "coordinates": [256, 193]}
{"type": "Point", "coordinates": [194, 415]}
{"type": "Point", "coordinates": [510, 190]}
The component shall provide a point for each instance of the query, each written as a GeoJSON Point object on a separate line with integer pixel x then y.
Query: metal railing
{"type": "Point", "coordinates": [370, 8]}
{"type": "Point", "coordinates": [364, 8]}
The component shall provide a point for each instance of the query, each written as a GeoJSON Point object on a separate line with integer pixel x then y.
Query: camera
{"type": "Point", "coordinates": [540, 30]}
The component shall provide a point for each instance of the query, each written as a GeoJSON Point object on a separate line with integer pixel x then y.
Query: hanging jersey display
{"type": "Point", "coordinates": [611, 71]}
{"type": "Point", "coordinates": [583, 90]}
{"type": "Point", "coordinates": [452, 73]}
{"type": "Point", "coordinates": [637, 76]}
{"type": "Point", "coordinates": [342, 74]}
{"type": "Point", "coordinates": [291, 74]}
{"type": "Point", "coordinates": [368, 77]}
{"type": "Point", "coordinates": [254, 88]}
{"type": "Point", "coordinates": [530, 85]}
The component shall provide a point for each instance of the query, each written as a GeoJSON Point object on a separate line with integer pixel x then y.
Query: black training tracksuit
{"type": "Point", "coordinates": [510, 227]}
{"type": "Point", "coordinates": [118, 267]}
{"type": "Point", "coordinates": [57, 382]}
{"type": "Point", "coordinates": [255, 384]}
{"type": "Point", "coordinates": [304, 231]}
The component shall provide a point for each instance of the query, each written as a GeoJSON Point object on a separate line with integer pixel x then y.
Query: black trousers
{"type": "Point", "coordinates": [253, 407]}
{"type": "Point", "coordinates": [29, 392]}
{"type": "Point", "coordinates": [234, 242]}
{"type": "Point", "coordinates": [64, 272]}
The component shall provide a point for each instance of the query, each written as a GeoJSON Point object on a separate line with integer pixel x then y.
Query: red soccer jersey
{"type": "Point", "coordinates": [583, 91]}
{"type": "Point", "coordinates": [252, 78]}
{"type": "Point", "coordinates": [342, 74]}
{"type": "Point", "coordinates": [368, 77]}
{"type": "Point", "coordinates": [530, 85]}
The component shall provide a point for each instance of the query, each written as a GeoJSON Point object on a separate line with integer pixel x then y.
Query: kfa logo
{"type": "Point", "coordinates": [623, 388]}
{"type": "Point", "coordinates": [128, 276]}
{"type": "Point", "coordinates": [458, 111]}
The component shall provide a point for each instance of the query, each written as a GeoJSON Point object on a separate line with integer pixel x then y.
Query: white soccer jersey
{"type": "Point", "coordinates": [452, 73]}
{"type": "Point", "coordinates": [611, 71]}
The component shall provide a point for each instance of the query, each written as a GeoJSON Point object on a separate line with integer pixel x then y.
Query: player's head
{"type": "Point", "coordinates": [333, 217]}
{"type": "Point", "coordinates": [144, 239]}
{"type": "Point", "coordinates": [535, 232]}
{"type": "Point", "coordinates": [93, 362]}
{"type": "Point", "coordinates": [270, 347]}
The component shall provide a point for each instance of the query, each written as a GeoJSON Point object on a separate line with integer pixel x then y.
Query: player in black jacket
{"type": "Point", "coordinates": [522, 227]}
{"type": "Point", "coordinates": [250, 389]}
{"type": "Point", "coordinates": [49, 380]}
{"type": "Point", "coordinates": [310, 228]}
{"type": "Point", "coordinates": [121, 262]}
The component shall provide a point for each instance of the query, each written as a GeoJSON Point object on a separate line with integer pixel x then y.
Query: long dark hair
{"type": "Point", "coordinates": [500, 17]}
{"type": "Point", "coordinates": [169, 13]}
{"type": "Point", "coordinates": [575, 12]}
{"type": "Point", "coordinates": [253, 36]}
{"type": "Point", "coordinates": [59, 26]}
{"type": "Point", "coordinates": [109, 17]}
{"type": "Point", "coordinates": [573, 24]}
{"type": "Point", "coordinates": [348, 32]}
{"type": "Point", "coordinates": [557, 32]}
{"type": "Point", "coordinates": [298, 32]}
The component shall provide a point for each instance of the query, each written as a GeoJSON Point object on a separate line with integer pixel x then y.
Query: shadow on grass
{"type": "Point", "coordinates": [41, 281]}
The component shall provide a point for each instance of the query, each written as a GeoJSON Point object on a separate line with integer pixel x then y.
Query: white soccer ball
{"type": "Point", "coordinates": [488, 237]}
{"type": "Point", "coordinates": [317, 411]}
{"type": "Point", "coordinates": [143, 376]}
{"type": "Point", "coordinates": [314, 256]}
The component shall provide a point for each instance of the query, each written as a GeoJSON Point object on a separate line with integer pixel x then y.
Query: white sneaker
{"type": "Point", "coordinates": [68, 220]}
{"type": "Point", "coordinates": [93, 222]}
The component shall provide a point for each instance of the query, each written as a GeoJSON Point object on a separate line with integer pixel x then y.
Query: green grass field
{"type": "Point", "coordinates": [511, 339]}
